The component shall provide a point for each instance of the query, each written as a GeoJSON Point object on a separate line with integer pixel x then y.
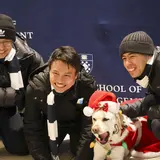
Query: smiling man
{"type": "Point", "coordinates": [142, 61]}
{"type": "Point", "coordinates": [56, 96]}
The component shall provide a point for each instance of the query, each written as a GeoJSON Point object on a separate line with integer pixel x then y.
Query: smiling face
{"type": "Point", "coordinates": [5, 47]}
{"type": "Point", "coordinates": [135, 63]}
{"type": "Point", "coordinates": [62, 76]}
{"type": "Point", "coordinates": [103, 125]}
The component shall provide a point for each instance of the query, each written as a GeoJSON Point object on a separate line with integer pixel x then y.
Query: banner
{"type": "Point", "coordinates": [94, 28]}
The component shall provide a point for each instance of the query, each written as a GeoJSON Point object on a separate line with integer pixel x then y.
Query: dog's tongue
{"type": "Point", "coordinates": [104, 137]}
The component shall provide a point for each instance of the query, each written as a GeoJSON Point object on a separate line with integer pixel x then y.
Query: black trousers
{"type": "Point", "coordinates": [86, 152]}
{"type": "Point", "coordinates": [11, 131]}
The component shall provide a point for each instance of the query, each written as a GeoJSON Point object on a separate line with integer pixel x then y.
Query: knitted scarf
{"type": "Point", "coordinates": [52, 126]}
{"type": "Point", "coordinates": [14, 70]}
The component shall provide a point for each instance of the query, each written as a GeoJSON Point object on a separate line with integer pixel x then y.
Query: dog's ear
{"type": "Point", "coordinates": [121, 116]}
{"type": "Point", "coordinates": [120, 119]}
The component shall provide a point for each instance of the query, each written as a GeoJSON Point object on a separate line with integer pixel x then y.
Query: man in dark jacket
{"type": "Point", "coordinates": [55, 99]}
{"type": "Point", "coordinates": [142, 61]}
{"type": "Point", "coordinates": [17, 61]}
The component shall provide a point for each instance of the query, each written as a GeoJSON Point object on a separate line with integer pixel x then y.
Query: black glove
{"type": "Point", "coordinates": [154, 112]}
{"type": "Point", "coordinates": [7, 97]}
{"type": "Point", "coordinates": [20, 99]}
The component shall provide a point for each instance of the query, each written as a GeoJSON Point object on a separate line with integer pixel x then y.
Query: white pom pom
{"type": "Point", "coordinates": [88, 111]}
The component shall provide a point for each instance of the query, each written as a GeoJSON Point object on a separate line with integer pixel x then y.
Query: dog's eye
{"type": "Point", "coordinates": [105, 119]}
{"type": "Point", "coordinates": [94, 119]}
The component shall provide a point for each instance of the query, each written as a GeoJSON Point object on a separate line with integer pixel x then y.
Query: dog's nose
{"type": "Point", "coordinates": [95, 130]}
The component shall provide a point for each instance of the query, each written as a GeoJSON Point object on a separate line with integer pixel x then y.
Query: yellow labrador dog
{"type": "Point", "coordinates": [116, 134]}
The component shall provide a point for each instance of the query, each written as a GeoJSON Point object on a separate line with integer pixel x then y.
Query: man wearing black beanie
{"type": "Point", "coordinates": [142, 61]}
{"type": "Point", "coordinates": [17, 61]}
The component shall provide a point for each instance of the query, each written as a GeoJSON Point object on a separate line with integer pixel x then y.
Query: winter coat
{"type": "Point", "coordinates": [29, 60]}
{"type": "Point", "coordinates": [69, 113]}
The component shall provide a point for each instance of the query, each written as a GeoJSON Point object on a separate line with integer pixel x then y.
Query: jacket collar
{"type": "Point", "coordinates": [143, 79]}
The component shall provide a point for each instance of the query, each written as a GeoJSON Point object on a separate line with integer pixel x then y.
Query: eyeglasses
{"type": "Point", "coordinates": [6, 43]}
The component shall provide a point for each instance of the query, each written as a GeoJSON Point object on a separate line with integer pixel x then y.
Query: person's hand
{"type": "Point", "coordinates": [123, 109]}
{"type": "Point", "coordinates": [154, 112]}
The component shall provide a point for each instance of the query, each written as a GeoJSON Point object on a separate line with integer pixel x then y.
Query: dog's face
{"type": "Point", "coordinates": [103, 125]}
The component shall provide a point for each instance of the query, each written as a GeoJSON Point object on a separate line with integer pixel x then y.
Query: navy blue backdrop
{"type": "Point", "coordinates": [94, 27]}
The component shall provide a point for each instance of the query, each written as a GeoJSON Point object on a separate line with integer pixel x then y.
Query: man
{"type": "Point", "coordinates": [142, 61]}
{"type": "Point", "coordinates": [56, 96]}
{"type": "Point", "coordinates": [15, 66]}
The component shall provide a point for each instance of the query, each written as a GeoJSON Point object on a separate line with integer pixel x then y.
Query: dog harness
{"type": "Point", "coordinates": [130, 140]}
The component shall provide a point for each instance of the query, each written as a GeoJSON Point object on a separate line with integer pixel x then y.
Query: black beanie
{"type": "Point", "coordinates": [137, 42]}
{"type": "Point", "coordinates": [7, 28]}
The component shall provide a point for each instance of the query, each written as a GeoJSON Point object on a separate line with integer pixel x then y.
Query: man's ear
{"type": "Point", "coordinates": [77, 75]}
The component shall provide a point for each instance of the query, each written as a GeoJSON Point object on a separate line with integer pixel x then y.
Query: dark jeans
{"type": "Point", "coordinates": [11, 131]}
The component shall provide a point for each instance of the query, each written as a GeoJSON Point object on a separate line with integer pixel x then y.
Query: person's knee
{"type": "Point", "coordinates": [20, 149]}
{"type": "Point", "coordinates": [155, 125]}
{"type": "Point", "coordinates": [19, 152]}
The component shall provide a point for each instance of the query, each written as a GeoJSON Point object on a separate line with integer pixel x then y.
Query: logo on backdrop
{"type": "Point", "coordinates": [87, 62]}
{"type": "Point", "coordinates": [26, 35]}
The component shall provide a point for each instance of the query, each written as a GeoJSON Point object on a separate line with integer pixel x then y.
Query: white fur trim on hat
{"type": "Point", "coordinates": [147, 155]}
{"type": "Point", "coordinates": [113, 107]}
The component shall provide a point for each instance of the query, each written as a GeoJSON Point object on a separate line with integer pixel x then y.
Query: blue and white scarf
{"type": "Point", "coordinates": [16, 83]}
{"type": "Point", "coordinates": [14, 70]}
{"type": "Point", "coordinates": [52, 126]}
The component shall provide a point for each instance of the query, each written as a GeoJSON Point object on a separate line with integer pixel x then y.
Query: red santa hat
{"type": "Point", "coordinates": [101, 100]}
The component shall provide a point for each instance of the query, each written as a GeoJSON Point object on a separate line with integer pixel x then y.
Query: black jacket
{"type": "Point", "coordinates": [150, 105]}
{"type": "Point", "coordinates": [29, 60]}
{"type": "Point", "coordinates": [69, 113]}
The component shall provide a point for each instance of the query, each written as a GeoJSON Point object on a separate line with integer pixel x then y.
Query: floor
{"type": "Point", "coordinates": [145, 159]}
{"type": "Point", "coordinates": [4, 155]}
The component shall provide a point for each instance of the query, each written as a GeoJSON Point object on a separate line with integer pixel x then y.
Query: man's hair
{"type": "Point", "coordinates": [66, 54]}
